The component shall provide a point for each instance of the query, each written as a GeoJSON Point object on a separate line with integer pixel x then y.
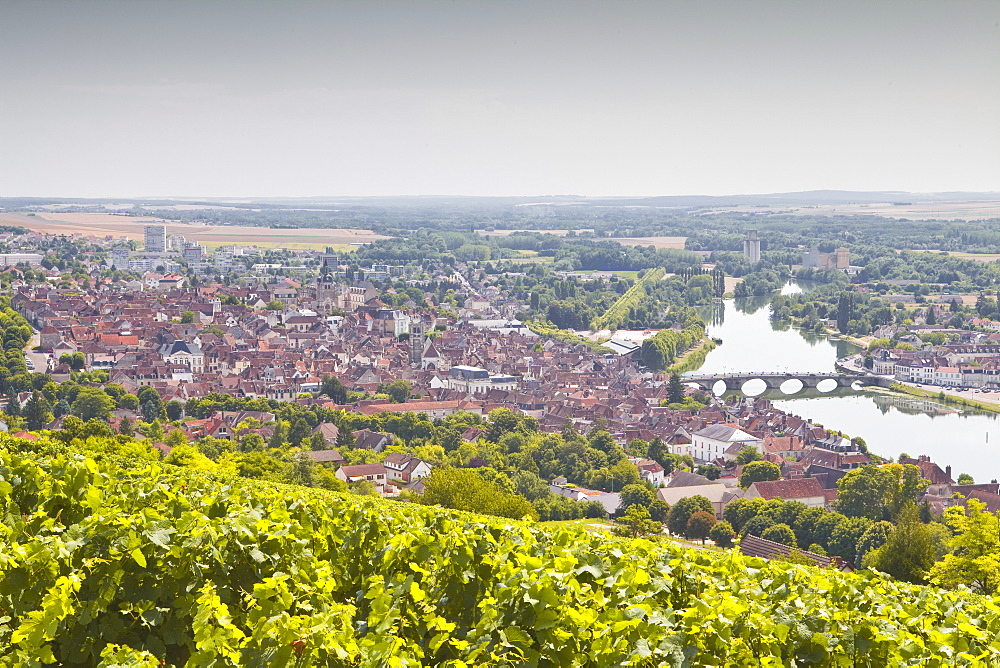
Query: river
{"type": "Point", "coordinates": [968, 441]}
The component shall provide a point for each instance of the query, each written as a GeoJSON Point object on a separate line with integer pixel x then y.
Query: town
{"type": "Point", "coordinates": [437, 341]}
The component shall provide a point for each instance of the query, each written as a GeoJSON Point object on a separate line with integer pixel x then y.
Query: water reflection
{"type": "Point", "coordinates": [890, 424]}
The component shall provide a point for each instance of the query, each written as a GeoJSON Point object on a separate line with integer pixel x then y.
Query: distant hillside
{"type": "Point", "coordinates": [803, 198]}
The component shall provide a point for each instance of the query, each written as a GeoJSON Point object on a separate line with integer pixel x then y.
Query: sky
{"type": "Point", "coordinates": [272, 99]}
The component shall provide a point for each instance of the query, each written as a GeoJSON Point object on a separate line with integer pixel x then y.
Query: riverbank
{"type": "Point", "coordinates": [860, 343]}
{"type": "Point", "coordinates": [694, 358]}
{"type": "Point", "coordinates": [941, 396]}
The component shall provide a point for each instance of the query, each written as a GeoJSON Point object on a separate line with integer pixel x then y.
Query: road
{"type": "Point", "coordinates": [40, 360]}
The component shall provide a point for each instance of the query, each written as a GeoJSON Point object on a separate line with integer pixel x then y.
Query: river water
{"type": "Point", "coordinates": [969, 441]}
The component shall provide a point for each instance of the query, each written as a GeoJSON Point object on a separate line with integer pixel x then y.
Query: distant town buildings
{"type": "Point", "coordinates": [10, 259]}
{"type": "Point", "coordinates": [839, 259]}
{"type": "Point", "coordinates": [156, 238]}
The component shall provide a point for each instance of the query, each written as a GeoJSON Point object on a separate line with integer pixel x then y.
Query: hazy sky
{"type": "Point", "coordinates": [509, 98]}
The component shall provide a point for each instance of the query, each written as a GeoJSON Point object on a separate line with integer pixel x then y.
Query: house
{"type": "Point", "coordinates": [610, 500]}
{"type": "Point", "coordinates": [183, 353]}
{"type": "Point", "coordinates": [375, 441]}
{"type": "Point", "coordinates": [326, 456]}
{"type": "Point", "coordinates": [375, 473]}
{"type": "Point", "coordinates": [803, 490]}
{"type": "Point", "coordinates": [329, 431]}
{"type": "Point", "coordinates": [650, 471]}
{"type": "Point", "coordinates": [712, 442]}
{"type": "Point", "coordinates": [405, 467]}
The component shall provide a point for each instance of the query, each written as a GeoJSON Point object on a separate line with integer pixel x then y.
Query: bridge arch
{"type": "Point", "coordinates": [786, 383]}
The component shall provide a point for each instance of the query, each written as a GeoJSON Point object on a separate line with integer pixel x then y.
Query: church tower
{"type": "Point", "coordinates": [416, 341]}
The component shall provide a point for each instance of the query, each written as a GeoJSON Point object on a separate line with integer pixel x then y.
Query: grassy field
{"type": "Point", "coordinates": [129, 227]}
{"type": "Point", "coordinates": [978, 257]}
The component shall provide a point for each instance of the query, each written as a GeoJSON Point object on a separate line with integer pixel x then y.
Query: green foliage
{"type": "Point", "coordinates": [879, 492]}
{"type": "Point", "coordinates": [465, 489]}
{"type": "Point", "coordinates": [748, 454]}
{"type": "Point", "coordinates": [759, 472]}
{"type": "Point", "coordinates": [636, 495]}
{"type": "Point", "coordinates": [722, 534]}
{"type": "Point", "coordinates": [216, 573]}
{"type": "Point", "coordinates": [636, 522]}
{"type": "Point", "coordinates": [681, 512]}
{"type": "Point", "coordinates": [780, 533]}
{"type": "Point", "coordinates": [908, 554]}
{"type": "Point", "coordinates": [616, 316]}
{"type": "Point", "coordinates": [659, 351]}
{"type": "Point", "coordinates": [975, 550]}
{"type": "Point", "coordinates": [699, 525]}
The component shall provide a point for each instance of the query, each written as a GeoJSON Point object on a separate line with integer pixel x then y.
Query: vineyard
{"type": "Point", "coordinates": [109, 562]}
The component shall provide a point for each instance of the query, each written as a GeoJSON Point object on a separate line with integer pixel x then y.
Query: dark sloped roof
{"type": "Point", "coordinates": [754, 546]}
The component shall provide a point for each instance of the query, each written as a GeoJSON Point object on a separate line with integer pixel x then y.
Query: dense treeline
{"type": "Point", "coordinates": [661, 350]}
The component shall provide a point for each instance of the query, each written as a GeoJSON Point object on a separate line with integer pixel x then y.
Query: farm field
{"type": "Point", "coordinates": [978, 257]}
{"type": "Point", "coordinates": [657, 242]}
{"type": "Point", "coordinates": [130, 227]}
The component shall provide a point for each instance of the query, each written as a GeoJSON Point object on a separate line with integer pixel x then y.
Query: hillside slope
{"type": "Point", "coordinates": [143, 563]}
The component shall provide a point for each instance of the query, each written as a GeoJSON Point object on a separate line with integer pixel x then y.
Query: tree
{"type": "Point", "coordinates": [37, 412]}
{"type": "Point", "coordinates": [759, 472]}
{"type": "Point", "coordinates": [316, 441]}
{"type": "Point", "coordinates": [128, 402]}
{"type": "Point", "coordinates": [682, 511]}
{"type": "Point", "coordinates": [757, 525]}
{"type": "Point", "coordinates": [908, 554]}
{"type": "Point", "coordinates": [187, 317]}
{"type": "Point", "coordinates": [126, 428]}
{"type": "Point", "coordinates": [966, 479]}
{"type": "Point", "coordinates": [636, 495]}
{"type": "Point", "coordinates": [279, 435]}
{"type": "Point", "coordinates": [675, 390]}
{"type": "Point", "coordinates": [175, 438]}
{"type": "Point", "coordinates": [465, 489]}
{"type": "Point", "coordinates": [975, 550]}
{"type": "Point", "coordinates": [62, 407]}
{"type": "Point", "coordinates": [92, 402]}
{"type": "Point", "coordinates": [699, 525]}
{"type": "Point", "coordinates": [333, 388]}
{"type": "Point", "coordinates": [175, 410]}
{"type": "Point", "coordinates": [399, 390]}
{"type": "Point", "coordinates": [748, 454]}
{"type": "Point", "coordinates": [150, 411]}
{"type": "Point", "coordinates": [845, 537]}
{"type": "Point", "coordinates": [298, 431]}
{"type": "Point", "coordinates": [877, 492]}
{"type": "Point", "coordinates": [780, 533]}
{"type": "Point", "coordinates": [873, 538]}
{"type": "Point", "coordinates": [274, 305]}
{"type": "Point", "coordinates": [710, 471]}
{"type": "Point", "coordinates": [722, 534]}
{"type": "Point", "coordinates": [636, 522]}
{"type": "Point", "coordinates": [805, 525]}
{"type": "Point", "coordinates": [659, 510]}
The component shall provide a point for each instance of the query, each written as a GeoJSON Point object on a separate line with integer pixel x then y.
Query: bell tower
{"type": "Point", "coordinates": [416, 341]}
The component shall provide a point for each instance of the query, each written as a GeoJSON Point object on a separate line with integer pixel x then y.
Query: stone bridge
{"type": "Point", "coordinates": [773, 381]}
